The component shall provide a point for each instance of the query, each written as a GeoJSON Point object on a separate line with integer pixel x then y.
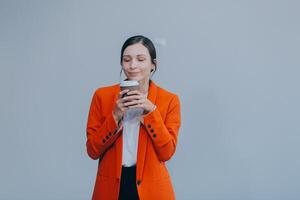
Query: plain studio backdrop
{"type": "Point", "coordinates": [234, 64]}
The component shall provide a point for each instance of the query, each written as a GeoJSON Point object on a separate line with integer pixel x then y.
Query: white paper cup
{"type": "Point", "coordinates": [131, 85]}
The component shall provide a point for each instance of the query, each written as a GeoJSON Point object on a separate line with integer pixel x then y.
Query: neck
{"type": "Point", "coordinates": [144, 85]}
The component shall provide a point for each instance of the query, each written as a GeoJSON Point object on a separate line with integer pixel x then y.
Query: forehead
{"type": "Point", "coordinates": [136, 49]}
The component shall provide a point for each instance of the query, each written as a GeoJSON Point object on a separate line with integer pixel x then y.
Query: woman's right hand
{"type": "Point", "coordinates": [120, 109]}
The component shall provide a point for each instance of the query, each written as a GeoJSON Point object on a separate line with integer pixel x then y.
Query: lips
{"type": "Point", "coordinates": [133, 73]}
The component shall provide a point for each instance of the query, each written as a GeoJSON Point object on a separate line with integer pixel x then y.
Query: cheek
{"type": "Point", "coordinates": [125, 66]}
{"type": "Point", "coordinates": [146, 71]}
{"type": "Point", "coordinates": [147, 67]}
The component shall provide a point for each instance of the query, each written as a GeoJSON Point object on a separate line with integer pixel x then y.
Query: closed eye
{"type": "Point", "coordinates": [126, 60]}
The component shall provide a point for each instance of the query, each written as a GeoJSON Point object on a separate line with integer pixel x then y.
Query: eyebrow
{"type": "Point", "coordinates": [137, 55]}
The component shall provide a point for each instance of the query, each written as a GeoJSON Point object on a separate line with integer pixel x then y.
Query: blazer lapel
{"type": "Point", "coordinates": [143, 136]}
{"type": "Point", "coordinates": [119, 141]}
{"type": "Point", "coordinates": [152, 92]}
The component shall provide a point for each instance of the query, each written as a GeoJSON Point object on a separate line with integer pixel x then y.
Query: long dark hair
{"type": "Point", "coordinates": [144, 41]}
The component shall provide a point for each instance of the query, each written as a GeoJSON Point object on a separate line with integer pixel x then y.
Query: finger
{"type": "Point", "coordinates": [130, 103]}
{"type": "Point", "coordinates": [131, 98]}
{"type": "Point", "coordinates": [123, 92]}
{"type": "Point", "coordinates": [121, 103]}
{"type": "Point", "coordinates": [136, 106]}
{"type": "Point", "coordinates": [122, 108]}
{"type": "Point", "coordinates": [134, 92]}
{"type": "Point", "coordinates": [135, 96]}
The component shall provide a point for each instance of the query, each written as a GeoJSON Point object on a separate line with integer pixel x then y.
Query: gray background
{"type": "Point", "coordinates": [234, 64]}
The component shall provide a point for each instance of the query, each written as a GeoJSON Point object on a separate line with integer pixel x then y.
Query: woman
{"type": "Point", "coordinates": [132, 152]}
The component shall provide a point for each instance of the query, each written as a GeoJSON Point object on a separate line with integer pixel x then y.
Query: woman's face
{"type": "Point", "coordinates": [136, 62]}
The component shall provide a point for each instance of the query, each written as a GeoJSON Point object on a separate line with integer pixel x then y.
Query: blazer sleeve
{"type": "Point", "coordinates": [164, 133]}
{"type": "Point", "coordinates": [101, 130]}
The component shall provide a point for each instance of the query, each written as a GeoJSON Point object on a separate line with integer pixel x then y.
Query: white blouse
{"type": "Point", "coordinates": [131, 128]}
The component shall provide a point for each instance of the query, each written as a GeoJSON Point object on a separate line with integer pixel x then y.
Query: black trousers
{"type": "Point", "coordinates": [128, 190]}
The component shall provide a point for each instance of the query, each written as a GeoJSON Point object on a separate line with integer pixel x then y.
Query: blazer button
{"type": "Point", "coordinates": [107, 137]}
{"type": "Point", "coordinates": [103, 141]}
{"type": "Point", "coordinates": [138, 182]}
{"type": "Point", "coordinates": [151, 130]}
{"type": "Point", "coordinates": [154, 135]}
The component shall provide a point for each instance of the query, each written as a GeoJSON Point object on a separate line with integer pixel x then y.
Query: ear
{"type": "Point", "coordinates": [155, 62]}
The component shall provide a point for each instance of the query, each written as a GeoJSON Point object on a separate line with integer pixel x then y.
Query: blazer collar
{"type": "Point", "coordinates": [152, 92]}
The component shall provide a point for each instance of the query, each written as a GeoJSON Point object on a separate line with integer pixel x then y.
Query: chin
{"type": "Point", "coordinates": [135, 78]}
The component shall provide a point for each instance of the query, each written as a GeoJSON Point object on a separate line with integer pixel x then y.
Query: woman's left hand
{"type": "Point", "coordinates": [136, 99]}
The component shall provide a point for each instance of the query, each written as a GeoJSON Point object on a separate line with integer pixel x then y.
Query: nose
{"type": "Point", "coordinates": [133, 64]}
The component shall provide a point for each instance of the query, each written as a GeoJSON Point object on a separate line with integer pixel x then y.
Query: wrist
{"type": "Point", "coordinates": [151, 110]}
{"type": "Point", "coordinates": [116, 118]}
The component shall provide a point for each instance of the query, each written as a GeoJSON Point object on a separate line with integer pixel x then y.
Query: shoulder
{"type": "Point", "coordinates": [167, 101]}
{"type": "Point", "coordinates": [166, 95]}
{"type": "Point", "coordinates": [107, 90]}
{"type": "Point", "coordinates": [106, 93]}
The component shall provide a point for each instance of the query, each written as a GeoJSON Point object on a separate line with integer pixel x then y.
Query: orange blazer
{"type": "Point", "coordinates": [157, 143]}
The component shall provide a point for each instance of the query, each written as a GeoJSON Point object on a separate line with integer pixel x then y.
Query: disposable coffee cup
{"type": "Point", "coordinates": [130, 85]}
{"type": "Point", "coordinates": [132, 112]}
